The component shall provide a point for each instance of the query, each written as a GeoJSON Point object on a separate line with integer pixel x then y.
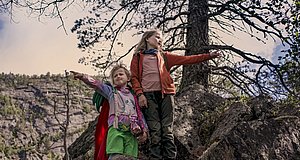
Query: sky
{"type": "Point", "coordinates": [29, 46]}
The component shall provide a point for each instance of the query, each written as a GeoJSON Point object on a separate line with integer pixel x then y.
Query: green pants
{"type": "Point", "coordinates": [160, 117]}
{"type": "Point", "coordinates": [120, 142]}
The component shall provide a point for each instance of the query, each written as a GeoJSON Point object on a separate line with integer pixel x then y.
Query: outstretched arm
{"type": "Point", "coordinates": [98, 85]}
{"type": "Point", "coordinates": [174, 59]}
{"type": "Point", "coordinates": [90, 81]}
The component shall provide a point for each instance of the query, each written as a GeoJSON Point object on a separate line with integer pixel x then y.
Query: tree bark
{"type": "Point", "coordinates": [197, 36]}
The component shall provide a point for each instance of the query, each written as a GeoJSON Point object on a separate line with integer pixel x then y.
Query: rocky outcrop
{"type": "Point", "coordinates": [256, 128]}
{"type": "Point", "coordinates": [256, 132]}
{"type": "Point", "coordinates": [211, 127]}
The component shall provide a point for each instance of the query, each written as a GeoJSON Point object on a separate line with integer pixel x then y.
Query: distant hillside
{"type": "Point", "coordinates": [33, 113]}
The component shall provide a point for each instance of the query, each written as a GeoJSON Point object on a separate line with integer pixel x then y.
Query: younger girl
{"type": "Point", "coordinates": [155, 89]}
{"type": "Point", "coordinates": [125, 120]}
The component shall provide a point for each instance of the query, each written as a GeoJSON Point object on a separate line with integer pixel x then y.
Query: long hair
{"type": "Point", "coordinates": [142, 45]}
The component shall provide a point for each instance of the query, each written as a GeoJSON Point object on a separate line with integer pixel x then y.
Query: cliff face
{"type": "Point", "coordinates": [33, 117]}
{"type": "Point", "coordinates": [33, 114]}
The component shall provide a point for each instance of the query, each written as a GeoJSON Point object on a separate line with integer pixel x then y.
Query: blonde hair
{"type": "Point", "coordinates": [142, 45]}
{"type": "Point", "coordinates": [116, 67]}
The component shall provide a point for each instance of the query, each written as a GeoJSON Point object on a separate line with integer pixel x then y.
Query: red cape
{"type": "Point", "coordinates": [101, 132]}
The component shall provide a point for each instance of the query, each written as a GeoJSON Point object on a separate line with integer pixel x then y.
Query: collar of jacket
{"type": "Point", "coordinates": [150, 51]}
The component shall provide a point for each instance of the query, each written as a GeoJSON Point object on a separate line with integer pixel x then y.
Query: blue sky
{"type": "Point", "coordinates": [1, 25]}
{"type": "Point", "coordinates": [277, 51]}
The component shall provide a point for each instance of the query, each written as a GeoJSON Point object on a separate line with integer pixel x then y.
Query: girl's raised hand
{"type": "Point", "coordinates": [215, 54]}
{"type": "Point", "coordinates": [77, 75]}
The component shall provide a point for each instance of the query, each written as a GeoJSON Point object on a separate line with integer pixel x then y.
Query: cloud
{"type": "Point", "coordinates": [33, 47]}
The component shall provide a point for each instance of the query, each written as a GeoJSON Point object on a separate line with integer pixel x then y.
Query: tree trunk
{"type": "Point", "coordinates": [197, 36]}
